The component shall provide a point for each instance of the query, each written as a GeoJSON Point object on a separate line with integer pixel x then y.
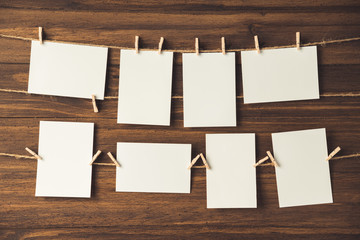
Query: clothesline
{"type": "Point", "coordinates": [323, 42]}
{"type": "Point", "coordinates": [18, 156]}
{"type": "Point", "coordinates": [349, 94]}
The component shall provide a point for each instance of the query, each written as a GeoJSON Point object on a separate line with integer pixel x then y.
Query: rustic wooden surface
{"type": "Point", "coordinates": [110, 215]}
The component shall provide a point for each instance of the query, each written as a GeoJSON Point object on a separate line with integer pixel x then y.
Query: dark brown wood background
{"type": "Point", "coordinates": [110, 215]}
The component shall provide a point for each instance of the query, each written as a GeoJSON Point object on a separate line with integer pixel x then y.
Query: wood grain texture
{"type": "Point", "coordinates": [110, 215]}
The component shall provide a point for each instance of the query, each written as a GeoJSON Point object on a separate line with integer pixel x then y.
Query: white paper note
{"type": "Point", "coordinates": [303, 176]}
{"type": "Point", "coordinates": [209, 90]}
{"type": "Point", "coordinates": [153, 167]}
{"type": "Point", "coordinates": [231, 179]}
{"type": "Point", "coordinates": [67, 70]}
{"type": "Point", "coordinates": [280, 75]}
{"type": "Point", "coordinates": [145, 87]}
{"type": "Point", "coordinates": [66, 149]}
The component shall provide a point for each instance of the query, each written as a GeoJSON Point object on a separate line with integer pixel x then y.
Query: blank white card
{"type": "Point", "coordinates": [66, 149]}
{"type": "Point", "coordinates": [145, 87]}
{"type": "Point", "coordinates": [303, 175]}
{"type": "Point", "coordinates": [67, 70]}
{"type": "Point", "coordinates": [153, 167]}
{"type": "Point", "coordinates": [277, 75]}
{"type": "Point", "coordinates": [209, 90]}
{"type": "Point", "coordinates": [231, 179]}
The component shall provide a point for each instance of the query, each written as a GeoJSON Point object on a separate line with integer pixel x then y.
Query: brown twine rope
{"type": "Point", "coordinates": [17, 156]}
{"type": "Point", "coordinates": [334, 158]}
{"type": "Point", "coordinates": [347, 156]}
{"type": "Point", "coordinates": [350, 94]}
{"type": "Point", "coordinates": [322, 43]}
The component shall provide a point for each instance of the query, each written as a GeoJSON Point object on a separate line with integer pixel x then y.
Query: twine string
{"type": "Point", "coordinates": [18, 156]}
{"type": "Point", "coordinates": [349, 94]}
{"type": "Point", "coordinates": [321, 43]}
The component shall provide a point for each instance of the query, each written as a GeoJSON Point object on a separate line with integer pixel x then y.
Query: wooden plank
{"type": "Point", "coordinates": [179, 6]}
{"type": "Point", "coordinates": [111, 215]}
{"type": "Point", "coordinates": [194, 231]}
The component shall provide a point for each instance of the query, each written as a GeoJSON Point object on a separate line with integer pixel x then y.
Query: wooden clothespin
{"type": "Point", "coordinates": [298, 40]}
{"type": "Point", "coordinates": [272, 158]}
{"type": "Point", "coordinates": [160, 44]}
{"type": "Point", "coordinates": [261, 161]}
{"type": "Point", "coordinates": [256, 39]}
{"type": "Point", "coordinates": [333, 153]}
{"type": "Point", "coordinates": [113, 159]}
{"type": "Point", "coordinates": [204, 161]}
{"type": "Point", "coordinates": [94, 103]}
{"type": "Point", "coordinates": [115, 163]}
{"type": "Point", "coordinates": [136, 44]}
{"type": "Point", "coordinates": [33, 153]}
{"type": "Point", "coordinates": [95, 157]}
{"type": "Point", "coordinates": [197, 46]}
{"type": "Point", "coordinates": [41, 35]}
{"type": "Point", "coordinates": [195, 160]}
{"type": "Point", "coordinates": [223, 45]}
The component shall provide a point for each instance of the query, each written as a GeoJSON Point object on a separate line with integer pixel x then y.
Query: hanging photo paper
{"type": "Point", "coordinates": [153, 167]}
{"type": "Point", "coordinates": [277, 75]}
{"type": "Point", "coordinates": [67, 70]}
{"type": "Point", "coordinates": [231, 179]}
{"type": "Point", "coordinates": [66, 149]}
{"type": "Point", "coordinates": [209, 90]}
{"type": "Point", "coordinates": [303, 175]}
{"type": "Point", "coordinates": [145, 87]}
